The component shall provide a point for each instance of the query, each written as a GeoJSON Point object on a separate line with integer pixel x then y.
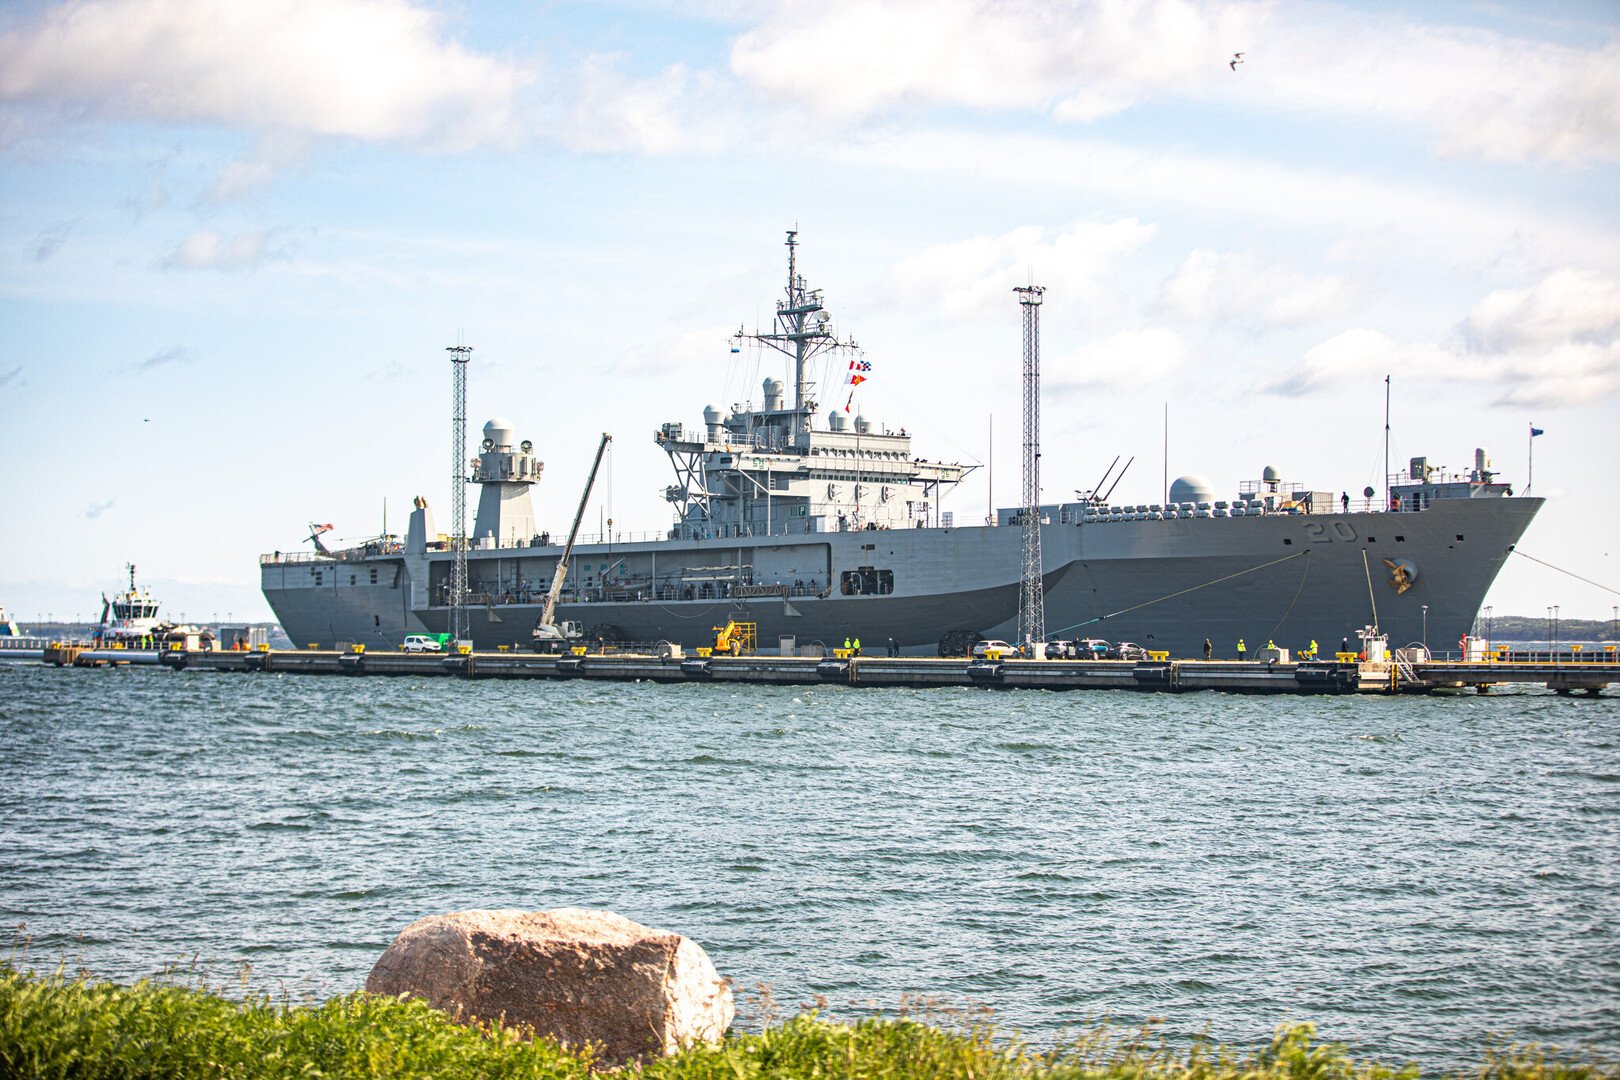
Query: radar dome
{"type": "Point", "coordinates": [499, 432]}
{"type": "Point", "coordinates": [1270, 474]}
{"type": "Point", "coordinates": [1193, 489]}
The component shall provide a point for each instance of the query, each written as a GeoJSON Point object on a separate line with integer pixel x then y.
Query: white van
{"type": "Point", "coordinates": [421, 643]}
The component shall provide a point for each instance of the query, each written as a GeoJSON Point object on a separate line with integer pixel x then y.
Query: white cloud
{"type": "Point", "coordinates": [693, 350]}
{"type": "Point", "coordinates": [209, 249]}
{"type": "Point", "coordinates": [675, 110]}
{"type": "Point", "coordinates": [369, 69]}
{"type": "Point", "coordinates": [1345, 356]}
{"type": "Point", "coordinates": [1082, 61]}
{"type": "Point", "coordinates": [1567, 306]}
{"type": "Point", "coordinates": [1210, 286]}
{"type": "Point", "coordinates": [237, 180]}
{"type": "Point", "coordinates": [1376, 217]}
{"type": "Point", "coordinates": [1128, 358]}
{"type": "Point", "coordinates": [1555, 342]}
{"type": "Point", "coordinates": [970, 278]}
{"type": "Point", "coordinates": [1478, 92]}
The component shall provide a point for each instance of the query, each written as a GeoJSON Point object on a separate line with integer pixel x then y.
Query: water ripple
{"type": "Point", "coordinates": [1224, 862]}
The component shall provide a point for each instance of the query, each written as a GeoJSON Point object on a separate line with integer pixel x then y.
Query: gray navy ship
{"type": "Point", "coordinates": [819, 527]}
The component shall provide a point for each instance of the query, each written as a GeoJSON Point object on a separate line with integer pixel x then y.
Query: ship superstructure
{"type": "Point", "coordinates": [771, 471]}
{"type": "Point", "coordinates": [818, 526]}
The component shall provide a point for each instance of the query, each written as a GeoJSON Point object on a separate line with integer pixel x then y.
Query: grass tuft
{"type": "Point", "coordinates": [54, 1026]}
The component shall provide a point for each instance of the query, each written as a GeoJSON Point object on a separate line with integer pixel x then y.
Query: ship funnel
{"type": "Point", "coordinates": [773, 394]}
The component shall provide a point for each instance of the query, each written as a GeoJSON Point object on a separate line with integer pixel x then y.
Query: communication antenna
{"type": "Point", "coordinates": [1031, 602]}
{"type": "Point", "coordinates": [800, 332]}
{"type": "Point", "coordinates": [460, 355]}
{"type": "Point", "coordinates": [1386, 444]}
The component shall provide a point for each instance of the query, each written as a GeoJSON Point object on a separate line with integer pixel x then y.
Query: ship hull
{"type": "Point", "coordinates": [1167, 584]}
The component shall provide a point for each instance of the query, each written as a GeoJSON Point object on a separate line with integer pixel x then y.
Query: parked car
{"type": "Point", "coordinates": [1127, 650]}
{"type": "Point", "coordinates": [1059, 650]}
{"type": "Point", "coordinates": [984, 647]}
{"type": "Point", "coordinates": [422, 643]}
{"type": "Point", "coordinates": [1090, 648]}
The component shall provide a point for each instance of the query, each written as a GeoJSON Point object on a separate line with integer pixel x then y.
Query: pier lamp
{"type": "Point", "coordinates": [1425, 627]}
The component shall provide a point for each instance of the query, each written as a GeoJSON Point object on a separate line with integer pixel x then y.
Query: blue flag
{"type": "Point", "coordinates": [1534, 431]}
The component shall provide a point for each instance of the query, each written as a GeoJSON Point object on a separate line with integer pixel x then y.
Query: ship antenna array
{"type": "Point", "coordinates": [1031, 602]}
{"type": "Point", "coordinates": [801, 329]}
{"type": "Point", "coordinates": [460, 355]}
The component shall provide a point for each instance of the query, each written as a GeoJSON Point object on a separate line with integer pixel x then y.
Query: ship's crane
{"type": "Point", "coordinates": [548, 636]}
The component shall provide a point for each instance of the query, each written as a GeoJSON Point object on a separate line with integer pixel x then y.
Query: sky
{"type": "Point", "coordinates": [235, 241]}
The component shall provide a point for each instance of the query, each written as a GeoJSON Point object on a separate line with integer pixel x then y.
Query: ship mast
{"type": "Point", "coordinates": [800, 332]}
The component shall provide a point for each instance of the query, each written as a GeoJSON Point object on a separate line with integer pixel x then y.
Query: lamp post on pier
{"type": "Point", "coordinates": [1425, 628]}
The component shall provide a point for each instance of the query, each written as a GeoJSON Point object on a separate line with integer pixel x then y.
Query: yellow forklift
{"type": "Point", "coordinates": [736, 638]}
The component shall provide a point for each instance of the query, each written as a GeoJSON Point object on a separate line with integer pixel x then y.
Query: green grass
{"type": "Point", "coordinates": [55, 1026]}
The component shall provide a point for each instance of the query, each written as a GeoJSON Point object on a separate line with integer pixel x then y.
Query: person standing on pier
{"type": "Point", "coordinates": [1208, 648]}
{"type": "Point", "coordinates": [1242, 649]}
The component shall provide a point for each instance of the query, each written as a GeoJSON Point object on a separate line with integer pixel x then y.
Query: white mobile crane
{"type": "Point", "coordinates": [549, 636]}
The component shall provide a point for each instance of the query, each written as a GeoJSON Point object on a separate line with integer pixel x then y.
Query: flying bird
{"type": "Point", "coordinates": [1237, 58]}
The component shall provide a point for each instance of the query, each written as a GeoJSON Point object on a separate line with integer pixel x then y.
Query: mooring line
{"type": "Point", "coordinates": [1561, 570]}
{"type": "Point", "coordinates": [1182, 592]}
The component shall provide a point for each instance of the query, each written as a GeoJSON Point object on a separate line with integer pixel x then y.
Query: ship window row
{"type": "Point", "coordinates": [884, 455]}
{"type": "Point", "coordinates": [866, 582]}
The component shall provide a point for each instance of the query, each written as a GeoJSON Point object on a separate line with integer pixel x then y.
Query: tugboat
{"type": "Point", "coordinates": [130, 621]}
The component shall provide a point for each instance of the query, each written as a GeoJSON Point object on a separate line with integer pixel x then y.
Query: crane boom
{"type": "Point", "coordinates": [550, 610]}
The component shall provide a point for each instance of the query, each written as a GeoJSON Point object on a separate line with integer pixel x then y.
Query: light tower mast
{"type": "Point", "coordinates": [459, 357]}
{"type": "Point", "coordinates": [1031, 601]}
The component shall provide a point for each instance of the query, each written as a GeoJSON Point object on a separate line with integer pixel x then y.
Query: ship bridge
{"type": "Point", "coordinates": [772, 471]}
{"type": "Point", "coordinates": [763, 472]}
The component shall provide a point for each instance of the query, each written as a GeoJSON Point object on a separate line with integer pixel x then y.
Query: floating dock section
{"type": "Point", "coordinates": [1259, 677]}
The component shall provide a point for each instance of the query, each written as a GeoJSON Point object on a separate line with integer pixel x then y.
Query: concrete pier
{"type": "Point", "coordinates": [1257, 677]}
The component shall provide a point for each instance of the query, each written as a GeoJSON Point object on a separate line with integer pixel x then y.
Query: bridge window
{"type": "Point", "coordinates": [866, 582]}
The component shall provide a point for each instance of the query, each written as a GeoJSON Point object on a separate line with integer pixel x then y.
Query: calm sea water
{"type": "Point", "coordinates": [1393, 870]}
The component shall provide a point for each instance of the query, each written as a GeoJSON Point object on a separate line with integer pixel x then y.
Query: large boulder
{"type": "Point", "coordinates": [577, 976]}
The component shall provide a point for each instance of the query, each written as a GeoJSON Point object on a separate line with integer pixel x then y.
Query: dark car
{"type": "Point", "coordinates": [1127, 650]}
{"type": "Point", "coordinates": [1089, 648]}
